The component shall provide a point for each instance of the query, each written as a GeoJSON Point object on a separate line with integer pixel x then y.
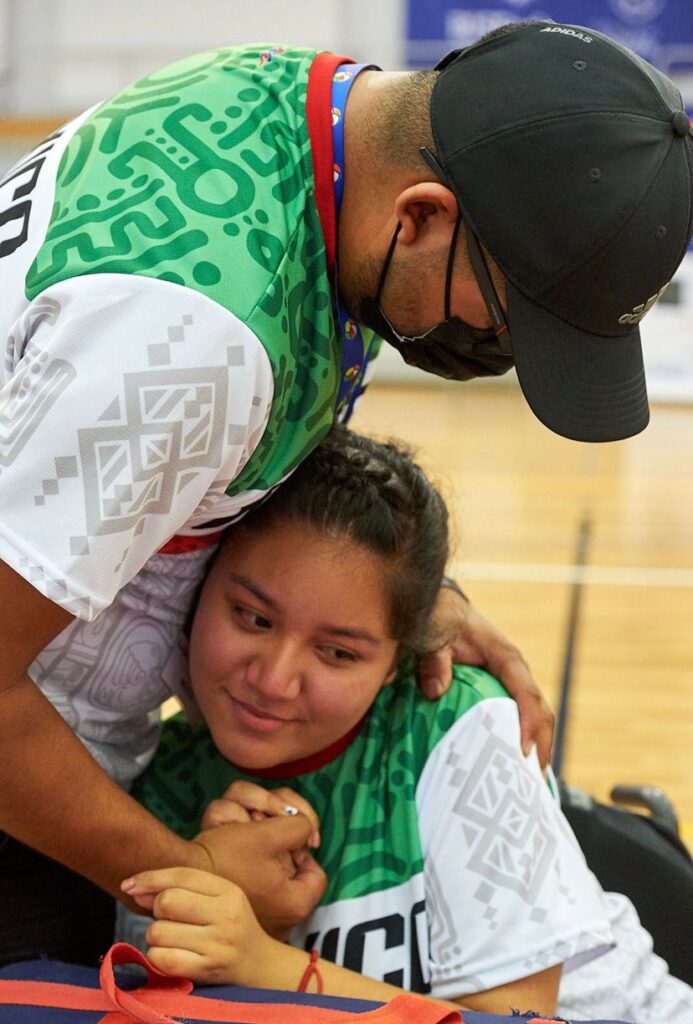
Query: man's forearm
{"type": "Point", "coordinates": [55, 798]}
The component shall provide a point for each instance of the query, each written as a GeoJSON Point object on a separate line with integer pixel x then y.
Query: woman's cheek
{"type": "Point", "coordinates": [344, 697]}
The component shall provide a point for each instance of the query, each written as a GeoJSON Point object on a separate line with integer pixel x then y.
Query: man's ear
{"type": "Point", "coordinates": [424, 207]}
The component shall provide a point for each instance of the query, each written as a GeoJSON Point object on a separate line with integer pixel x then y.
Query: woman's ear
{"type": "Point", "coordinates": [394, 669]}
{"type": "Point", "coordinates": [423, 208]}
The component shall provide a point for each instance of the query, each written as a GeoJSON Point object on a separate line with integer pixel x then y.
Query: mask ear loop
{"type": "Point", "coordinates": [476, 257]}
{"type": "Point", "coordinates": [388, 261]}
{"type": "Point", "coordinates": [451, 263]}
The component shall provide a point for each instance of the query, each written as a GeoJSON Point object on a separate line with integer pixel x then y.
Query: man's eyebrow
{"type": "Point", "coordinates": [327, 627]}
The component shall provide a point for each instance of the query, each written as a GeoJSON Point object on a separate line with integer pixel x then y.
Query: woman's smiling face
{"type": "Point", "coordinates": [290, 643]}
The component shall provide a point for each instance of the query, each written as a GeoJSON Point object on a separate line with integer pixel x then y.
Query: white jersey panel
{"type": "Point", "coordinates": [631, 983]}
{"type": "Point", "coordinates": [508, 892]}
{"type": "Point", "coordinates": [107, 678]}
{"type": "Point", "coordinates": [120, 427]}
{"type": "Point", "coordinates": [382, 935]}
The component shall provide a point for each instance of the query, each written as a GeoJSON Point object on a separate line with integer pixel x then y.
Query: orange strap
{"type": "Point", "coordinates": [164, 997]}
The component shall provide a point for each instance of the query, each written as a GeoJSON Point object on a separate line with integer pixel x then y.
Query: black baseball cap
{"type": "Point", "coordinates": [572, 161]}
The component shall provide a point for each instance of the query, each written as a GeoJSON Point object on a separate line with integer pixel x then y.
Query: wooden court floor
{"type": "Point", "coordinates": [520, 497]}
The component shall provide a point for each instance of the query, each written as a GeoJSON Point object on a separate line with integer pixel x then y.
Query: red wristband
{"type": "Point", "coordinates": [311, 969]}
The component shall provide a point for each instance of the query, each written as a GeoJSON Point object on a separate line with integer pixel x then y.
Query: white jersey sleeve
{"type": "Point", "coordinates": [107, 678]}
{"type": "Point", "coordinates": [127, 405]}
{"type": "Point", "coordinates": [508, 892]}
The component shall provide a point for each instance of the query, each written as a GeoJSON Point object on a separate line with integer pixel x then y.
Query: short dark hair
{"type": "Point", "coordinates": [377, 496]}
{"type": "Point", "coordinates": [505, 30]}
{"type": "Point", "coordinates": [401, 122]}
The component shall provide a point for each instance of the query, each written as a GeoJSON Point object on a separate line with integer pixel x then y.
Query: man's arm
{"type": "Point", "coordinates": [55, 798]}
{"type": "Point", "coordinates": [459, 634]}
{"type": "Point", "coordinates": [53, 795]}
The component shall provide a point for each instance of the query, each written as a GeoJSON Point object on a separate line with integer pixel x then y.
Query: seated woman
{"type": "Point", "coordinates": [450, 869]}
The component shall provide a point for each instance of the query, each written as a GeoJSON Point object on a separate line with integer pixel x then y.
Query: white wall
{"type": "Point", "coordinates": [63, 55]}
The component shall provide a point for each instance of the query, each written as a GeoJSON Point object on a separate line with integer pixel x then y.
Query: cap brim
{"type": "Point", "coordinates": [580, 385]}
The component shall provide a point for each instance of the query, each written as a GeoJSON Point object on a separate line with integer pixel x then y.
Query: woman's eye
{"type": "Point", "coordinates": [338, 655]}
{"type": "Point", "coordinates": [251, 619]}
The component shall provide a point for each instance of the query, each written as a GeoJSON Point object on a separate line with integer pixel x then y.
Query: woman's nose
{"type": "Point", "coordinates": [276, 673]}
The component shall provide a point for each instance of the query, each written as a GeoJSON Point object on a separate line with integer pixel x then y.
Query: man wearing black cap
{"type": "Point", "coordinates": [191, 274]}
{"type": "Point", "coordinates": [568, 160]}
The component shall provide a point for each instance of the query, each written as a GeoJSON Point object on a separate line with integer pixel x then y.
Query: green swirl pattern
{"type": "Point", "coordinates": [201, 175]}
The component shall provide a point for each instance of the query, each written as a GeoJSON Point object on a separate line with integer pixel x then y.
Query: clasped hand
{"type": "Point", "coordinates": [251, 839]}
{"type": "Point", "coordinates": [209, 928]}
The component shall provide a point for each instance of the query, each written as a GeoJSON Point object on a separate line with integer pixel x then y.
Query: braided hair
{"type": "Point", "coordinates": [374, 494]}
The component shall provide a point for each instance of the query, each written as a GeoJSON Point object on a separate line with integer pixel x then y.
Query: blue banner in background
{"type": "Point", "coordinates": [659, 30]}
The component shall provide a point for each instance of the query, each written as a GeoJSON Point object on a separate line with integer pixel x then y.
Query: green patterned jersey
{"type": "Point", "coordinates": [202, 175]}
{"type": "Point", "coordinates": [449, 864]}
{"type": "Point", "coordinates": [172, 350]}
{"type": "Point", "coordinates": [362, 798]}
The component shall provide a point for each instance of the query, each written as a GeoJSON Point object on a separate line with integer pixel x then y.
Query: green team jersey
{"type": "Point", "coordinates": [171, 353]}
{"type": "Point", "coordinates": [449, 864]}
{"type": "Point", "coordinates": [173, 347]}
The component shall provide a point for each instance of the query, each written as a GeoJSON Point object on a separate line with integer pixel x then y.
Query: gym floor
{"type": "Point", "coordinates": [583, 555]}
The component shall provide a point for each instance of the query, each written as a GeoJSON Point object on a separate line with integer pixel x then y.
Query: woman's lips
{"type": "Point", "coordinates": [255, 718]}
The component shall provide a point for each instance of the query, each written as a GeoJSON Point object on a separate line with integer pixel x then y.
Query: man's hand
{"type": "Point", "coordinates": [246, 801]}
{"type": "Point", "coordinates": [269, 861]}
{"type": "Point", "coordinates": [459, 634]}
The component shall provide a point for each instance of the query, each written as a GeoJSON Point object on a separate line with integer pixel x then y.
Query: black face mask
{"type": "Point", "coordinates": [452, 349]}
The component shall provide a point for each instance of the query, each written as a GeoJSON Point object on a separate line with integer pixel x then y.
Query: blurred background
{"type": "Point", "coordinates": [582, 554]}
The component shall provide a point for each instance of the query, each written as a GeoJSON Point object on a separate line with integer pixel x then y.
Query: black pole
{"type": "Point", "coordinates": [581, 554]}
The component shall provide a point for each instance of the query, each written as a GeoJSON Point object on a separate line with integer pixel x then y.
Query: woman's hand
{"type": "Point", "coordinates": [269, 861]}
{"type": "Point", "coordinates": [246, 801]}
{"type": "Point", "coordinates": [459, 634]}
{"type": "Point", "coordinates": [204, 927]}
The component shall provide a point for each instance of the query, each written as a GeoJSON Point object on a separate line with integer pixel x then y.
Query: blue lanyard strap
{"type": "Point", "coordinates": [354, 355]}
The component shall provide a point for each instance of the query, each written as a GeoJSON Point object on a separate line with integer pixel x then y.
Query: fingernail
{"type": "Point", "coordinates": [432, 690]}
{"type": "Point", "coordinates": [288, 809]}
{"type": "Point", "coordinates": [133, 888]}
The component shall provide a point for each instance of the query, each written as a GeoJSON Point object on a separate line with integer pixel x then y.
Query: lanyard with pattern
{"type": "Point", "coordinates": [354, 354]}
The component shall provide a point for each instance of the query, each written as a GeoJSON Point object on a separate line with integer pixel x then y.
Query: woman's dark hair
{"type": "Point", "coordinates": [375, 495]}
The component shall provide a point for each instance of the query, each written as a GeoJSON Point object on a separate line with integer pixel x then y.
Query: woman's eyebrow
{"type": "Point", "coordinates": [244, 581]}
{"type": "Point", "coordinates": [352, 634]}
{"type": "Point", "coordinates": [327, 627]}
